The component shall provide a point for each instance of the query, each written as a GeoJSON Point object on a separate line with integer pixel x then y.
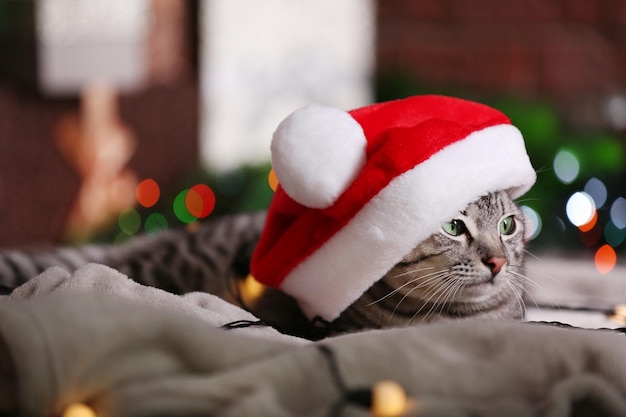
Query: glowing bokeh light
{"type": "Point", "coordinates": [566, 166]}
{"type": "Point", "coordinates": [180, 208]}
{"type": "Point", "coordinates": [272, 180]}
{"type": "Point", "coordinates": [251, 289]}
{"type": "Point", "coordinates": [388, 399]}
{"type": "Point", "coordinates": [200, 201]}
{"type": "Point", "coordinates": [193, 203]}
{"type": "Point", "coordinates": [618, 212]}
{"type": "Point", "coordinates": [605, 259]}
{"type": "Point", "coordinates": [616, 112]}
{"type": "Point", "coordinates": [129, 221]}
{"type": "Point", "coordinates": [580, 209]}
{"type": "Point", "coordinates": [587, 227]}
{"type": "Point", "coordinates": [597, 190]}
{"type": "Point", "coordinates": [78, 410]}
{"type": "Point", "coordinates": [533, 224]}
{"type": "Point", "coordinates": [148, 192]}
{"type": "Point", "coordinates": [155, 223]}
{"type": "Point", "coordinates": [613, 235]}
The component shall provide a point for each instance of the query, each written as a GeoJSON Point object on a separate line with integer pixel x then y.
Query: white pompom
{"type": "Point", "coordinates": [317, 152]}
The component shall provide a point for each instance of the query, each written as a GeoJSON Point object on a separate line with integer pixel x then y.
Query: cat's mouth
{"type": "Point", "coordinates": [477, 287]}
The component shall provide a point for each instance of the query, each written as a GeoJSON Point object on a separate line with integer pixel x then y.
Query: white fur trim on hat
{"type": "Point", "coordinates": [408, 210]}
{"type": "Point", "coordinates": [316, 153]}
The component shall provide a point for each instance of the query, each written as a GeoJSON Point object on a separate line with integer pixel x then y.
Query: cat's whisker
{"type": "Point", "coordinates": [438, 289]}
{"type": "Point", "coordinates": [542, 272]}
{"type": "Point", "coordinates": [456, 291]}
{"type": "Point", "coordinates": [538, 286]}
{"type": "Point", "coordinates": [534, 300]}
{"type": "Point", "coordinates": [449, 295]}
{"type": "Point", "coordinates": [446, 288]}
{"type": "Point", "coordinates": [430, 280]}
{"type": "Point", "coordinates": [524, 282]}
{"type": "Point", "coordinates": [430, 277]}
{"type": "Point", "coordinates": [413, 271]}
{"type": "Point", "coordinates": [518, 297]}
{"type": "Point", "coordinates": [525, 279]}
{"type": "Point", "coordinates": [527, 252]}
{"type": "Point", "coordinates": [426, 282]}
{"type": "Point", "coordinates": [525, 200]}
{"type": "Point", "coordinates": [543, 169]}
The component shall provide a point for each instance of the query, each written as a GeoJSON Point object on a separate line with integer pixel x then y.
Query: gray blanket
{"type": "Point", "coordinates": [97, 338]}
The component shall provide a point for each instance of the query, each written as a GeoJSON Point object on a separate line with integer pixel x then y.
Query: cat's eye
{"type": "Point", "coordinates": [454, 227]}
{"type": "Point", "coordinates": [507, 226]}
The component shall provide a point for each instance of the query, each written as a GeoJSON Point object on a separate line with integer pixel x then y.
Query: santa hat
{"type": "Point", "coordinates": [360, 189]}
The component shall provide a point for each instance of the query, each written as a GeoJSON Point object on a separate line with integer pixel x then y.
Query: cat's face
{"type": "Point", "coordinates": [473, 257]}
{"type": "Point", "coordinates": [471, 267]}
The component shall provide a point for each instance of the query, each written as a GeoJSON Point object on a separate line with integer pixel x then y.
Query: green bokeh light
{"type": "Point", "coordinates": [129, 221]}
{"type": "Point", "coordinates": [180, 208]}
{"type": "Point", "coordinates": [155, 223]}
{"type": "Point", "coordinates": [614, 235]}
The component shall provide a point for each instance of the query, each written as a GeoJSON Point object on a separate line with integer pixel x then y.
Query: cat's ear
{"type": "Point", "coordinates": [317, 152]}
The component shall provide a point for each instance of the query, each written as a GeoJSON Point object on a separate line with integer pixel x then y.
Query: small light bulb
{"type": "Point", "coordinates": [79, 410]}
{"type": "Point", "coordinates": [251, 289]}
{"type": "Point", "coordinates": [388, 399]}
{"type": "Point", "coordinates": [272, 179]}
{"type": "Point", "coordinates": [620, 310]}
{"type": "Point", "coordinates": [619, 314]}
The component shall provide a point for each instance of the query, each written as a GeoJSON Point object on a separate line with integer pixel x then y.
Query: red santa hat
{"type": "Point", "coordinates": [360, 189]}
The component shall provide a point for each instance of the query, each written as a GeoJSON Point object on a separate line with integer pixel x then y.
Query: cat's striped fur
{"type": "Point", "coordinates": [176, 260]}
{"type": "Point", "coordinates": [477, 273]}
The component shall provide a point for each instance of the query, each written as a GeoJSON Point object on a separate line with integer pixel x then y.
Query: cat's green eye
{"type": "Point", "coordinates": [507, 226]}
{"type": "Point", "coordinates": [454, 227]}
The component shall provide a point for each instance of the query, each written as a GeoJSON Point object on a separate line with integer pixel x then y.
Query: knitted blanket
{"type": "Point", "coordinates": [95, 337]}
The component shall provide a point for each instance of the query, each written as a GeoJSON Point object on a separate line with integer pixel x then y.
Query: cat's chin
{"type": "Point", "coordinates": [480, 290]}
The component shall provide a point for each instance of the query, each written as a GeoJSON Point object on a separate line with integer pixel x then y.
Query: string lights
{"type": "Point", "coordinates": [599, 218]}
{"type": "Point", "coordinates": [272, 180]}
{"type": "Point", "coordinates": [189, 205]}
{"type": "Point", "coordinates": [619, 314]}
{"type": "Point", "coordinates": [388, 399]}
{"type": "Point", "coordinates": [250, 289]}
{"type": "Point", "coordinates": [148, 192]}
{"type": "Point", "coordinates": [78, 410]}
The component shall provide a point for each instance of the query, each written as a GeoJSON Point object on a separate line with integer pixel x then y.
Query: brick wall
{"type": "Point", "coordinates": [572, 52]}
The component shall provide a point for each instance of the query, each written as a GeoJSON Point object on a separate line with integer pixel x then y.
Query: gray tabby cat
{"type": "Point", "coordinates": [472, 267]}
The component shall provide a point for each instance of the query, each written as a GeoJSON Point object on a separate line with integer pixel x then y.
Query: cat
{"type": "Point", "coordinates": [471, 268]}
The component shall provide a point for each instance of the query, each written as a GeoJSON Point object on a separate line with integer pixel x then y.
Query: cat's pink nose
{"type": "Point", "coordinates": [495, 264]}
